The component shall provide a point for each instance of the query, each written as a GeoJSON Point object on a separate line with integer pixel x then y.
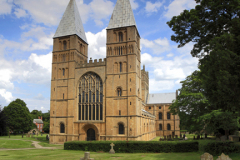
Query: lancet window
{"type": "Point", "coordinates": [90, 98]}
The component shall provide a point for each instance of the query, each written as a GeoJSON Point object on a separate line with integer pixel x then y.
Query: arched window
{"type": "Point", "coordinates": [168, 115]}
{"type": "Point", "coordinates": [62, 128]}
{"type": "Point", "coordinates": [90, 97]}
{"type": "Point", "coordinates": [120, 128]}
{"type": "Point", "coordinates": [160, 127]}
{"type": "Point", "coordinates": [64, 45]}
{"type": "Point", "coordinates": [119, 92]}
{"type": "Point", "coordinates": [63, 72]}
{"type": "Point", "coordinates": [160, 115]}
{"type": "Point", "coordinates": [120, 34]}
{"type": "Point", "coordinates": [168, 127]}
{"type": "Point", "coordinates": [120, 64]}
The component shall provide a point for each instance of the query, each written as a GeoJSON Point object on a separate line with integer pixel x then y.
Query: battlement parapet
{"type": "Point", "coordinates": [92, 63]}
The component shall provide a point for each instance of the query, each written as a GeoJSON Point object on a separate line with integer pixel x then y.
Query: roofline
{"type": "Point", "coordinates": [70, 35]}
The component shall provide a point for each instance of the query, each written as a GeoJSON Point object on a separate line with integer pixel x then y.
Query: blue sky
{"type": "Point", "coordinates": [27, 28]}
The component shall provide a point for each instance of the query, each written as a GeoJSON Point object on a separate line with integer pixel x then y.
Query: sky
{"type": "Point", "coordinates": [28, 26]}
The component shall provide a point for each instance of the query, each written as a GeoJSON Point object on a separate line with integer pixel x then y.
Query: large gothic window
{"type": "Point", "coordinates": [90, 97]}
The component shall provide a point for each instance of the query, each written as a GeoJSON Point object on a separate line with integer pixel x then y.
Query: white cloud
{"type": "Point", "coordinates": [157, 86]}
{"type": "Point", "coordinates": [39, 97]}
{"type": "Point", "coordinates": [152, 7]}
{"type": "Point", "coordinates": [5, 6]}
{"type": "Point", "coordinates": [97, 44]}
{"type": "Point", "coordinates": [20, 13]}
{"type": "Point", "coordinates": [158, 46]}
{"type": "Point", "coordinates": [50, 12]}
{"type": "Point", "coordinates": [101, 9]}
{"type": "Point", "coordinates": [134, 4]}
{"type": "Point", "coordinates": [170, 55]}
{"type": "Point", "coordinates": [177, 6]}
{"type": "Point", "coordinates": [5, 96]}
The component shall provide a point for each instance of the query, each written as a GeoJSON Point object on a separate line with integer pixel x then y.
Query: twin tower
{"type": "Point", "coordinates": [104, 99]}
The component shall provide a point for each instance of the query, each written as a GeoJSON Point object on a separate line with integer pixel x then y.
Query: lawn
{"type": "Point", "coordinates": [60, 154]}
{"type": "Point", "coordinates": [13, 144]}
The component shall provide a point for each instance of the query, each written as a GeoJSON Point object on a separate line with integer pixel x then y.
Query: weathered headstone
{"type": "Point", "coordinates": [224, 157]}
{"type": "Point", "coordinates": [86, 156]}
{"type": "Point", "coordinates": [112, 150]}
{"type": "Point", "coordinates": [206, 156]}
{"type": "Point", "coordinates": [180, 135]}
{"type": "Point", "coordinates": [223, 138]}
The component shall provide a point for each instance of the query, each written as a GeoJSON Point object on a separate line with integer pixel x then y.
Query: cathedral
{"type": "Point", "coordinates": [105, 99]}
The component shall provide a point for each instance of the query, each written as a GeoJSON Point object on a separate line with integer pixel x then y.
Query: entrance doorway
{"type": "Point", "coordinates": [91, 135]}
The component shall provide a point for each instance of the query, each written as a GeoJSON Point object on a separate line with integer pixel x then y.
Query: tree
{"type": "Point", "coordinates": [191, 104]}
{"type": "Point", "coordinates": [35, 114]}
{"type": "Point", "coordinates": [3, 125]}
{"type": "Point", "coordinates": [213, 27]}
{"type": "Point", "coordinates": [18, 116]}
{"type": "Point", "coordinates": [46, 127]}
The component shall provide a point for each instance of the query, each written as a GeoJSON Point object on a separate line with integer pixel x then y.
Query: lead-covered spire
{"type": "Point", "coordinates": [122, 15]}
{"type": "Point", "coordinates": [71, 23]}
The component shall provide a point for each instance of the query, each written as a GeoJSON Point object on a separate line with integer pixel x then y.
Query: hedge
{"type": "Point", "coordinates": [217, 148]}
{"type": "Point", "coordinates": [133, 146]}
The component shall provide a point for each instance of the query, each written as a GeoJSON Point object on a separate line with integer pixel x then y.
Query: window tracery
{"type": "Point", "coordinates": [90, 97]}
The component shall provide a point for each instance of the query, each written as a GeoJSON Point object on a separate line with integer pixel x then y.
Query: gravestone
{"type": "Point", "coordinates": [176, 136]}
{"type": "Point", "coordinates": [170, 137]}
{"type": "Point", "coordinates": [180, 135]}
{"type": "Point", "coordinates": [224, 157]}
{"type": "Point", "coordinates": [86, 156]}
{"type": "Point", "coordinates": [223, 138]}
{"type": "Point", "coordinates": [165, 137]}
{"type": "Point", "coordinates": [47, 138]}
{"type": "Point", "coordinates": [206, 156]}
{"type": "Point", "coordinates": [112, 150]}
{"type": "Point", "coordinates": [198, 137]}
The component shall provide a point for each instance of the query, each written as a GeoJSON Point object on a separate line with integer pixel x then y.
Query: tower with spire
{"type": "Point", "coordinates": [103, 99]}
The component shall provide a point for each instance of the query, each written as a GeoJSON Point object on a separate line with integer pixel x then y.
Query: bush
{"type": "Point", "coordinates": [217, 148]}
{"type": "Point", "coordinates": [132, 146]}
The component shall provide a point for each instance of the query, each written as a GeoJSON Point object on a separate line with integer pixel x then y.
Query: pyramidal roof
{"type": "Point", "coordinates": [122, 15]}
{"type": "Point", "coordinates": [71, 23]}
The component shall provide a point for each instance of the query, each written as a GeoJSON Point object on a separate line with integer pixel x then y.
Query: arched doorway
{"type": "Point", "coordinates": [91, 135]}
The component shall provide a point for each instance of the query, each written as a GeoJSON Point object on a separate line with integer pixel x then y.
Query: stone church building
{"type": "Point", "coordinates": [104, 99]}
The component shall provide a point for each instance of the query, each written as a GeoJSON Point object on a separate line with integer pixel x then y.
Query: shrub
{"type": "Point", "coordinates": [217, 148]}
{"type": "Point", "coordinates": [133, 146]}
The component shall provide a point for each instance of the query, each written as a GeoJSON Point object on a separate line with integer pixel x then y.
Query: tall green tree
{"type": "Point", "coordinates": [35, 114]}
{"type": "Point", "coordinates": [18, 116]}
{"type": "Point", "coordinates": [191, 103]}
{"type": "Point", "coordinates": [3, 124]}
{"type": "Point", "coordinates": [213, 27]}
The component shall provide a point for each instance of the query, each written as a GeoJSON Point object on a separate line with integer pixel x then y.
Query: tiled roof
{"type": "Point", "coordinates": [71, 23]}
{"type": "Point", "coordinates": [158, 98]}
{"type": "Point", "coordinates": [39, 121]}
{"type": "Point", "coordinates": [122, 15]}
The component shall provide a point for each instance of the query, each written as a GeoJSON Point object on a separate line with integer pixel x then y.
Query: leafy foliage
{"type": "Point", "coordinates": [191, 104]}
{"type": "Point", "coordinates": [3, 124]}
{"type": "Point", "coordinates": [18, 116]}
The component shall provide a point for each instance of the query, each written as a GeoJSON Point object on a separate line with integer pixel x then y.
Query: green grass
{"type": "Point", "coordinates": [73, 155]}
{"type": "Point", "coordinates": [13, 144]}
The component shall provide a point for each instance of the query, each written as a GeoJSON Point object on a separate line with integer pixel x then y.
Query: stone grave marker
{"type": "Point", "coordinates": [112, 150]}
{"type": "Point", "coordinates": [224, 157]}
{"type": "Point", "coordinates": [180, 135]}
{"type": "Point", "coordinates": [86, 156]}
{"type": "Point", "coordinates": [206, 156]}
{"type": "Point", "coordinates": [223, 138]}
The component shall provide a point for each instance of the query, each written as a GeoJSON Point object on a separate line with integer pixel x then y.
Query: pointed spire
{"type": "Point", "coordinates": [122, 15]}
{"type": "Point", "coordinates": [71, 23]}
